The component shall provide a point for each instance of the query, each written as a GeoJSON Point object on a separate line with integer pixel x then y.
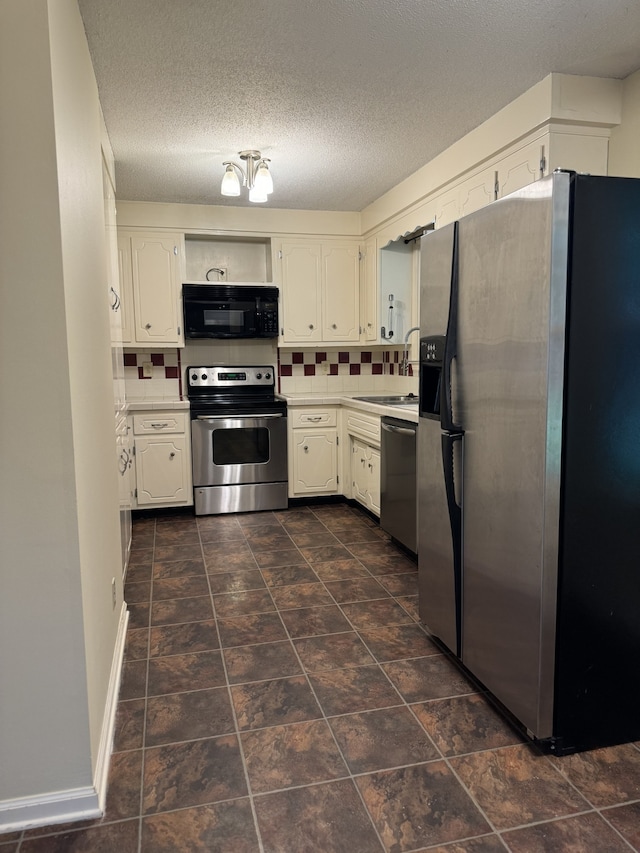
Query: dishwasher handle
{"type": "Point", "coordinates": [398, 430]}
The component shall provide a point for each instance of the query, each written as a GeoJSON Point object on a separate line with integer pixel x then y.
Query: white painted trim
{"type": "Point", "coordinates": [74, 804]}
{"type": "Point", "coordinates": [43, 809]}
{"type": "Point", "coordinates": [109, 720]}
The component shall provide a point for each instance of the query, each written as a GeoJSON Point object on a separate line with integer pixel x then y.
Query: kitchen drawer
{"type": "Point", "coordinates": [363, 425]}
{"type": "Point", "coordinates": [151, 423]}
{"type": "Point", "coordinates": [299, 418]}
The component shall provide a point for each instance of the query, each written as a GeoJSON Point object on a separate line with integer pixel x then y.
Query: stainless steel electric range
{"type": "Point", "coordinates": [238, 439]}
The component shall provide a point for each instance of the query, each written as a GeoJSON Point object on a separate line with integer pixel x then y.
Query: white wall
{"type": "Point", "coordinates": [59, 546]}
{"type": "Point", "coordinates": [624, 145]}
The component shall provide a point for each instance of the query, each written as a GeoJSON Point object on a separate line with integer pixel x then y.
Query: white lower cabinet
{"type": "Point", "coordinates": [162, 459]}
{"type": "Point", "coordinates": [365, 474]}
{"type": "Point", "coordinates": [124, 450]}
{"type": "Point", "coordinates": [313, 452]}
{"type": "Point", "coordinates": [363, 431]}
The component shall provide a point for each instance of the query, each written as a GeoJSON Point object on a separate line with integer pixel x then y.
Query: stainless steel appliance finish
{"type": "Point", "coordinates": [439, 556]}
{"type": "Point", "coordinates": [539, 377]}
{"type": "Point", "coordinates": [238, 439]}
{"type": "Point", "coordinates": [398, 481]}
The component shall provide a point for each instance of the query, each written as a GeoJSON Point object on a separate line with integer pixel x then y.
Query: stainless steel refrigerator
{"type": "Point", "coordinates": [529, 454]}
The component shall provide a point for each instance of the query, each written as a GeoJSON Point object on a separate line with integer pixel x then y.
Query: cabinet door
{"type": "Point", "coordinates": [301, 292]}
{"type": "Point", "coordinates": [162, 474]}
{"type": "Point", "coordinates": [369, 292]}
{"type": "Point", "coordinates": [315, 461]}
{"type": "Point", "coordinates": [156, 271]}
{"type": "Point", "coordinates": [373, 467]}
{"type": "Point", "coordinates": [125, 290]}
{"type": "Point", "coordinates": [340, 292]}
{"type": "Point", "coordinates": [359, 471]}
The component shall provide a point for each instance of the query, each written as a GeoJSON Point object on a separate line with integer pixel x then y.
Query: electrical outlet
{"type": "Point", "coordinates": [147, 370]}
{"type": "Point", "coordinates": [114, 596]}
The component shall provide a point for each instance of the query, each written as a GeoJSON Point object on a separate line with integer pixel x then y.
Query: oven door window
{"type": "Point", "coordinates": [242, 446]}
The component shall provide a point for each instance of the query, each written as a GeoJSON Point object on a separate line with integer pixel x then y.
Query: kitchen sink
{"type": "Point", "coordinates": [391, 400]}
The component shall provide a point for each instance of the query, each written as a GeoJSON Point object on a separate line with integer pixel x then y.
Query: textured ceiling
{"type": "Point", "coordinates": [347, 97]}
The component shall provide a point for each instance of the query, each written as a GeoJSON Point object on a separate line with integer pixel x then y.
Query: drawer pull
{"type": "Point", "coordinates": [160, 426]}
{"type": "Point", "coordinates": [314, 418]}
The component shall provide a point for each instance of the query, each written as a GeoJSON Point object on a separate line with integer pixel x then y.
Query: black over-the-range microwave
{"type": "Point", "coordinates": [230, 311]}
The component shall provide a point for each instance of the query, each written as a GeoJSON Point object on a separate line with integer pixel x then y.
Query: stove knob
{"type": "Point", "coordinates": [194, 376]}
{"type": "Point", "coordinates": [204, 376]}
{"type": "Point", "coordinates": [258, 376]}
{"type": "Point", "coordinates": [267, 376]}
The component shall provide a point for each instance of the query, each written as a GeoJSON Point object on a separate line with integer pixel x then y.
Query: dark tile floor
{"type": "Point", "coordinates": [278, 695]}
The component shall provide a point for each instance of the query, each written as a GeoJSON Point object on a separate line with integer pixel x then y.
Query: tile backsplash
{"type": "Point", "coordinates": [164, 367]}
{"type": "Point", "coordinates": [159, 374]}
{"type": "Point", "coordinates": [345, 370]}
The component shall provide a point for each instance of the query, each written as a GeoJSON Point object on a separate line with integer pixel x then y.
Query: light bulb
{"type": "Point", "coordinates": [257, 195]}
{"type": "Point", "coordinates": [230, 183]}
{"type": "Point", "coordinates": [264, 181]}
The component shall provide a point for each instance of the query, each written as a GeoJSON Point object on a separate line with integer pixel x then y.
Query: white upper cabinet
{"type": "Point", "coordinates": [152, 269]}
{"type": "Point", "coordinates": [369, 292]}
{"type": "Point", "coordinates": [340, 292]}
{"type": "Point", "coordinates": [301, 298]}
{"type": "Point", "coordinates": [320, 296]}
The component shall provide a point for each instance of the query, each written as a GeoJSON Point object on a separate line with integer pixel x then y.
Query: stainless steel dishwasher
{"type": "Point", "coordinates": [398, 482]}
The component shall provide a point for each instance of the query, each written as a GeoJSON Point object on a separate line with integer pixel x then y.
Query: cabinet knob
{"type": "Point", "coordinates": [147, 325]}
{"type": "Point", "coordinates": [171, 455]}
{"type": "Point", "coordinates": [305, 448]}
{"type": "Point", "coordinates": [311, 325]}
{"type": "Point", "coordinates": [333, 326]}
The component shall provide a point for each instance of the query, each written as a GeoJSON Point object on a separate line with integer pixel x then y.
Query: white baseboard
{"type": "Point", "coordinates": [74, 804]}
{"type": "Point", "coordinates": [109, 720]}
{"type": "Point", "coordinates": [43, 809]}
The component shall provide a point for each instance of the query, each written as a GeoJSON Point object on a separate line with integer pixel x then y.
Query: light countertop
{"type": "Point", "coordinates": [404, 413]}
{"type": "Point", "coordinates": [150, 404]}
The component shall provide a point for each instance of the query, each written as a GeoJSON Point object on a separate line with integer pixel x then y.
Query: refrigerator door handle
{"type": "Point", "coordinates": [451, 344]}
{"type": "Point", "coordinates": [455, 520]}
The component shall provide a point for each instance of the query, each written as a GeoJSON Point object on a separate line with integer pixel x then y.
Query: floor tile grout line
{"type": "Point", "coordinates": [146, 699]}
{"type": "Point", "coordinates": [234, 714]}
{"type": "Point", "coordinates": [402, 701]}
{"type": "Point", "coordinates": [497, 833]}
{"type": "Point", "coordinates": [304, 670]}
{"type": "Point", "coordinates": [323, 715]}
{"type": "Point", "coordinates": [614, 828]}
{"type": "Point", "coordinates": [555, 819]}
{"type": "Point", "coordinates": [335, 740]}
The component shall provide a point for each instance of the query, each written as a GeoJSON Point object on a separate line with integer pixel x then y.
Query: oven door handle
{"type": "Point", "coordinates": [230, 417]}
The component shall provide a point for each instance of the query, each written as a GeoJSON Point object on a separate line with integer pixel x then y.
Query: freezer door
{"type": "Point", "coordinates": [438, 586]}
{"type": "Point", "coordinates": [436, 258]}
{"type": "Point", "coordinates": [512, 296]}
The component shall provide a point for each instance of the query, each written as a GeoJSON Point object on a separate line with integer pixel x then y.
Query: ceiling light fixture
{"type": "Point", "coordinates": [255, 175]}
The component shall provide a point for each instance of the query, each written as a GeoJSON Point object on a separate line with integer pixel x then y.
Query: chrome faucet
{"type": "Point", "coordinates": [404, 364]}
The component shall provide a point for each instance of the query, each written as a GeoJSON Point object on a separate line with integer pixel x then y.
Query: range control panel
{"type": "Point", "coordinates": [221, 378]}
